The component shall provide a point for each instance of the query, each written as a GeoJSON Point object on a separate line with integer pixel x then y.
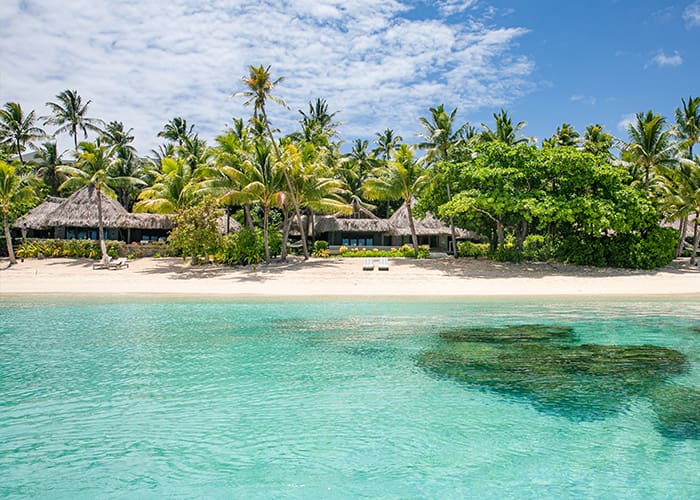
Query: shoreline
{"type": "Point", "coordinates": [438, 279]}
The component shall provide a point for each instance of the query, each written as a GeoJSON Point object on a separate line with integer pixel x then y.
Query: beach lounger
{"type": "Point", "coordinates": [118, 264]}
{"type": "Point", "coordinates": [383, 264]}
{"type": "Point", "coordinates": [368, 264]}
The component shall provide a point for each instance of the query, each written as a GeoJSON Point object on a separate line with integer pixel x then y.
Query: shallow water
{"type": "Point", "coordinates": [287, 399]}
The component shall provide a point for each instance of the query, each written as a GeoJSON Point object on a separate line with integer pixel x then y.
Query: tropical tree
{"type": "Point", "coordinates": [174, 188]}
{"type": "Point", "coordinates": [70, 115]}
{"type": "Point", "coordinates": [505, 131]}
{"type": "Point", "coordinates": [597, 141]}
{"type": "Point", "coordinates": [14, 188]}
{"type": "Point", "coordinates": [679, 186]}
{"type": "Point", "coordinates": [565, 135]}
{"type": "Point", "coordinates": [317, 125]}
{"type": "Point", "coordinates": [386, 142]}
{"type": "Point", "coordinates": [16, 129]}
{"type": "Point", "coordinates": [353, 170]}
{"type": "Point", "coordinates": [439, 136]}
{"type": "Point", "coordinates": [125, 164]}
{"type": "Point", "coordinates": [688, 125]}
{"type": "Point", "coordinates": [401, 178]}
{"type": "Point", "coordinates": [260, 87]}
{"type": "Point", "coordinates": [650, 144]}
{"type": "Point", "coordinates": [176, 130]}
{"type": "Point", "coordinates": [48, 161]}
{"type": "Point", "coordinates": [92, 168]}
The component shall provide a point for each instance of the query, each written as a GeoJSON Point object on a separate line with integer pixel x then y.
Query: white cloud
{"type": "Point", "coordinates": [450, 7]}
{"type": "Point", "coordinates": [661, 59]}
{"type": "Point", "coordinates": [625, 121]}
{"type": "Point", "coordinates": [144, 63]}
{"type": "Point", "coordinates": [691, 14]}
{"type": "Point", "coordinates": [586, 99]}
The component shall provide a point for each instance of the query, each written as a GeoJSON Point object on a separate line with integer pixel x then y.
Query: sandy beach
{"type": "Point", "coordinates": [344, 277]}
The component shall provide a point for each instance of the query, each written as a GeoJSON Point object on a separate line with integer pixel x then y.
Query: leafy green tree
{"type": "Point", "coordinates": [70, 115]}
{"type": "Point", "coordinates": [16, 129]}
{"type": "Point", "coordinates": [14, 188]}
{"type": "Point", "coordinates": [196, 232]}
{"type": "Point", "coordinates": [92, 168]}
{"type": "Point", "coordinates": [401, 178]}
{"type": "Point", "coordinates": [505, 131]}
{"type": "Point", "coordinates": [260, 87]}
{"type": "Point", "coordinates": [650, 144]}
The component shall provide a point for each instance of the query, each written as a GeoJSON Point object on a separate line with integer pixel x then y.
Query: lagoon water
{"type": "Point", "coordinates": [135, 397]}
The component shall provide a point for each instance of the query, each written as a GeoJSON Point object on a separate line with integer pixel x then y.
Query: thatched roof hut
{"type": "Point", "coordinates": [429, 225]}
{"type": "Point", "coordinates": [37, 216]}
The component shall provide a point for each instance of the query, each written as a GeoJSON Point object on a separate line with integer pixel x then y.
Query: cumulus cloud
{"type": "Point", "coordinates": [586, 99]}
{"type": "Point", "coordinates": [625, 121]}
{"type": "Point", "coordinates": [691, 14]}
{"type": "Point", "coordinates": [661, 59]}
{"type": "Point", "coordinates": [146, 62]}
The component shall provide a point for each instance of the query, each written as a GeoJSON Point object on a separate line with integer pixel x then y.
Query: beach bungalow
{"type": "Point", "coordinates": [76, 218]}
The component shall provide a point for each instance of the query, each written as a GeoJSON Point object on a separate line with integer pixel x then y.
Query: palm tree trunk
{"type": "Point", "coordinates": [500, 233]}
{"type": "Point", "coordinates": [8, 236]}
{"type": "Point", "coordinates": [297, 211]}
{"type": "Point", "coordinates": [681, 241]}
{"type": "Point", "coordinates": [100, 226]}
{"type": "Point", "coordinates": [247, 217]}
{"type": "Point", "coordinates": [286, 223]}
{"type": "Point", "coordinates": [266, 236]}
{"type": "Point", "coordinates": [19, 152]}
{"type": "Point", "coordinates": [696, 241]}
{"type": "Point", "coordinates": [453, 232]}
{"type": "Point", "coordinates": [414, 237]}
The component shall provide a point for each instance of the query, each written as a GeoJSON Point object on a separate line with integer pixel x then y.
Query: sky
{"type": "Point", "coordinates": [378, 64]}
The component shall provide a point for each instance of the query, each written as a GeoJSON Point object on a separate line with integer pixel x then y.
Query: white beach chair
{"type": "Point", "coordinates": [368, 264]}
{"type": "Point", "coordinates": [383, 264]}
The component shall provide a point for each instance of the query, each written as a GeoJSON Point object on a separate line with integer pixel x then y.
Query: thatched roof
{"type": "Point", "coordinates": [80, 210]}
{"type": "Point", "coordinates": [36, 217]}
{"type": "Point", "coordinates": [332, 223]}
{"type": "Point", "coordinates": [233, 225]}
{"type": "Point", "coordinates": [429, 225]}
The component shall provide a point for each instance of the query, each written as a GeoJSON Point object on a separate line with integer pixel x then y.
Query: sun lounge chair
{"type": "Point", "coordinates": [103, 264]}
{"type": "Point", "coordinates": [118, 263]}
{"type": "Point", "coordinates": [383, 264]}
{"type": "Point", "coordinates": [368, 264]}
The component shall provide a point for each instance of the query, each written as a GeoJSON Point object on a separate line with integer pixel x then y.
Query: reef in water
{"type": "Point", "coordinates": [542, 364]}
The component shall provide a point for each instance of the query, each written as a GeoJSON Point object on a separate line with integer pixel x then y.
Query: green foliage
{"type": "Point", "coordinates": [508, 253]}
{"type": "Point", "coordinates": [246, 247]}
{"type": "Point", "coordinates": [89, 249]}
{"type": "Point", "coordinates": [537, 247]}
{"type": "Point", "coordinates": [403, 251]}
{"type": "Point", "coordinates": [469, 249]}
{"type": "Point", "coordinates": [196, 232]}
{"type": "Point", "coordinates": [321, 248]}
{"type": "Point", "coordinates": [651, 249]}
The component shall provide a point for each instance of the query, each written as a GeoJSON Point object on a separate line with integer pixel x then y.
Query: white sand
{"type": "Point", "coordinates": [344, 277]}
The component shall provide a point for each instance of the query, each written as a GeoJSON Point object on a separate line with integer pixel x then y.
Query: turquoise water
{"type": "Point", "coordinates": [320, 399]}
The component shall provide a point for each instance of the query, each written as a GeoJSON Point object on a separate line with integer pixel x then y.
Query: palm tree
{"type": "Point", "coordinates": [386, 142]}
{"type": "Point", "coordinates": [440, 134]}
{"type": "Point", "coordinates": [505, 131]}
{"type": "Point", "coordinates": [47, 165]}
{"type": "Point", "coordinates": [70, 115]}
{"type": "Point", "coordinates": [596, 141]}
{"type": "Point", "coordinates": [353, 170]}
{"type": "Point", "coordinates": [317, 126]}
{"type": "Point", "coordinates": [401, 178]}
{"type": "Point", "coordinates": [173, 188]}
{"type": "Point", "coordinates": [92, 168]}
{"type": "Point", "coordinates": [176, 130]}
{"type": "Point", "coordinates": [126, 163]}
{"type": "Point", "coordinates": [14, 188]}
{"type": "Point", "coordinates": [260, 87]}
{"type": "Point", "coordinates": [688, 124]}
{"type": "Point", "coordinates": [679, 186]}
{"type": "Point", "coordinates": [16, 130]}
{"type": "Point", "coordinates": [565, 135]}
{"type": "Point", "coordinates": [649, 144]}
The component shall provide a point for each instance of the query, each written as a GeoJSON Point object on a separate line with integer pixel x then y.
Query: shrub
{"type": "Point", "coordinates": [508, 253]}
{"type": "Point", "coordinates": [537, 247]}
{"type": "Point", "coordinates": [469, 249]}
{"type": "Point", "coordinates": [243, 247]}
{"type": "Point", "coordinates": [69, 248]}
{"type": "Point", "coordinates": [320, 249]}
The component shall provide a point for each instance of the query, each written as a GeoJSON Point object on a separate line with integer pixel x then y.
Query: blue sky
{"type": "Point", "coordinates": [378, 63]}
